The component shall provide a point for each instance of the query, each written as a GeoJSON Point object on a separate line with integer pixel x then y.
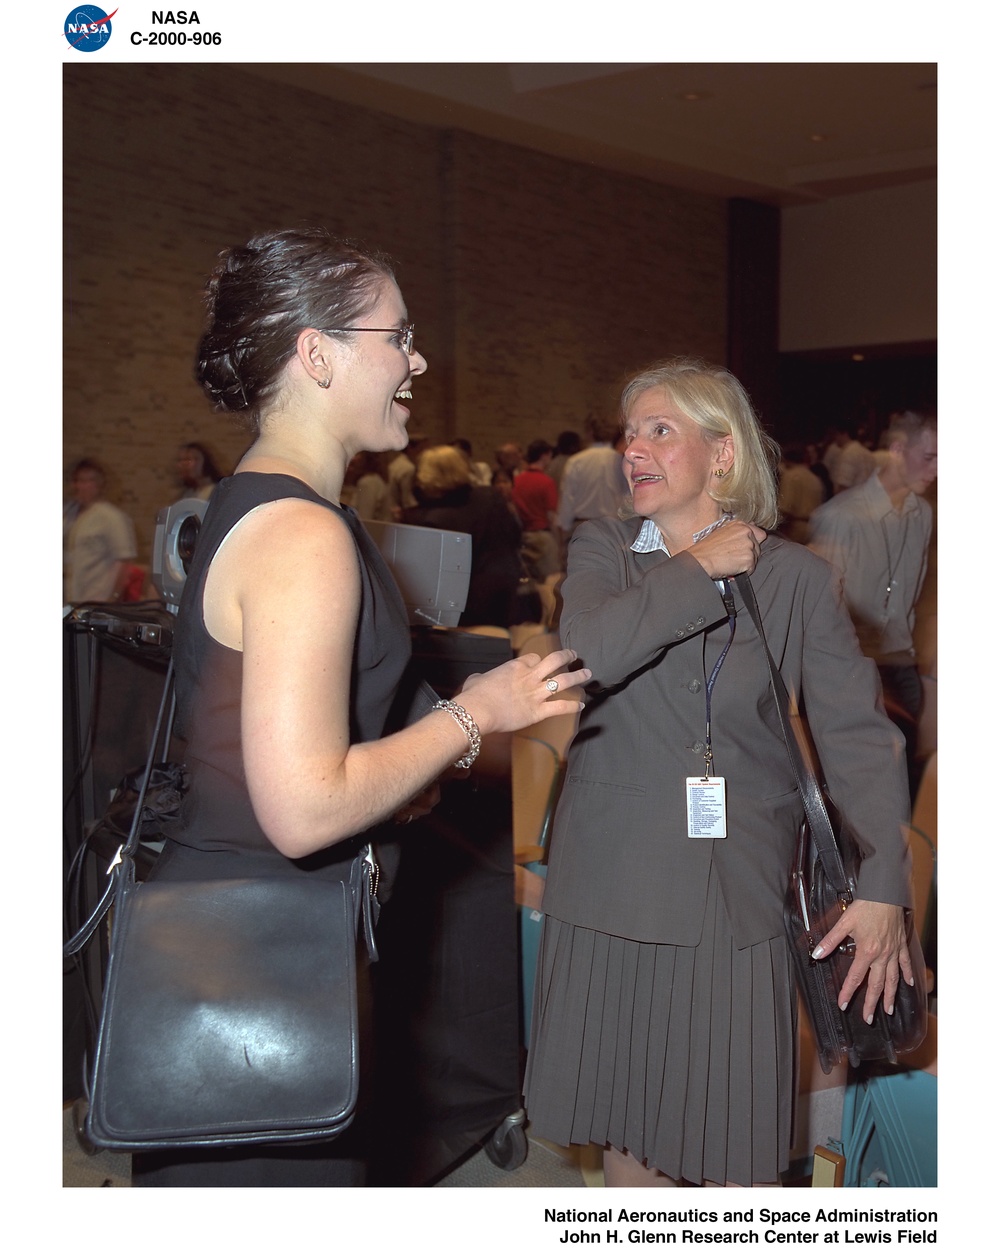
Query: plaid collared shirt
{"type": "Point", "coordinates": [649, 537]}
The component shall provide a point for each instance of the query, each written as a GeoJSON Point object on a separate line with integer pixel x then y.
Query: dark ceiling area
{"type": "Point", "coordinates": [780, 133]}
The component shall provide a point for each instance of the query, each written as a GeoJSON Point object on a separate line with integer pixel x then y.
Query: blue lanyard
{"type": "Point", "coordinates": [727, 598]}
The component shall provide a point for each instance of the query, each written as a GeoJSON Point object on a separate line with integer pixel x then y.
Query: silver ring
{"type": "Point", "coordinates": [552, 685]}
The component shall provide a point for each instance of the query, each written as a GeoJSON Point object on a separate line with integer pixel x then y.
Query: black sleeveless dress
{"type": "Point", "coordinates": [218, 835]}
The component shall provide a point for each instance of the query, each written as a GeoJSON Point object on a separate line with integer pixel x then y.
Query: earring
{"type": "Point", "coordinates": [324, 383]}
{"type": "Point", "coordinates": [720, 472]}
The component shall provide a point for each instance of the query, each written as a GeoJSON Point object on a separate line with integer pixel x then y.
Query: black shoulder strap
{"type": "Point", "coordinates": [817, 816]}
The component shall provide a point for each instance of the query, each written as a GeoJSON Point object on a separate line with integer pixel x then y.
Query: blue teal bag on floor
{"type": "Point", "coordinates": [890, 1130]}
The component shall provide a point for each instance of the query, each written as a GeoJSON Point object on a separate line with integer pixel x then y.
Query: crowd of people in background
{"type": "Point", "coordinates": [855, 500]}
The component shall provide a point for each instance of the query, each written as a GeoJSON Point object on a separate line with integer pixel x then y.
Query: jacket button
{"type": "Point", "coordinates": [694, 685]}
{"type": "Point", "coordinates": [690, 627]}
{"type": "Point", "coordinates": [679, 633]}
{"type": "Point", "coordinates": [701, 620]}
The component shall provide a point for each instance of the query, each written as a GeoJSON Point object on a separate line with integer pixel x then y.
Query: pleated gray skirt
{"type": "Point", "coordinates": [683, 1056]}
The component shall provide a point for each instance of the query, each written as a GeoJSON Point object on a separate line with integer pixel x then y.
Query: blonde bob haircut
{"type": "Point", "coordinates": [716, 401]}
{"type": "Point", "coordinates": [440, 470]}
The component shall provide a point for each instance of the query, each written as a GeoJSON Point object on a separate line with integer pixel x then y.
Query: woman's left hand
{"type": "Point", "coordinates": [881, 953]}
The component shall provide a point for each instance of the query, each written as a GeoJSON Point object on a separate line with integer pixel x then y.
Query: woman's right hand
{"type": "Point", "coordinates": [517, 694]}
{"type": "Point", "coordinates": [732, 548]}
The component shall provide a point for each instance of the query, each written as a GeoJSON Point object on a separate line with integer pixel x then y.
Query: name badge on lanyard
{"type": "Point", "coordinates": [706, 796]}
{"type": "Point", "coordinates": [706, 807]}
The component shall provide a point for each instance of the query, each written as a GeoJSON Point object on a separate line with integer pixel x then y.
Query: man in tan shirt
{"type": "Point", "coordinates": [877, 536]}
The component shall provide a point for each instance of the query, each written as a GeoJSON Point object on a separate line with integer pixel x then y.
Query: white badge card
{"type": "Point", "coordinates": [706, 807]}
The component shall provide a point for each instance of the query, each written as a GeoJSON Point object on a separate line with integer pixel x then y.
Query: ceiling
{"type": "Point", "coordinates": [783, 134]}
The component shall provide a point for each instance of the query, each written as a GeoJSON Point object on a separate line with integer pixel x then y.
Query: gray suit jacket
{"type": "Point", "coordinates": [651, 628]}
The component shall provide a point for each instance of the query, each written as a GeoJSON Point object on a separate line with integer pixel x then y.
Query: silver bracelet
{"type": "Point", "coordinates": [468, 724]}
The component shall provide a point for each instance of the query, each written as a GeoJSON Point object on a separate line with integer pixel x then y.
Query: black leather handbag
{"type": "Point", "coordinates": [821, 886]}
{"type": "Point", "coordinates": [230, 1010]}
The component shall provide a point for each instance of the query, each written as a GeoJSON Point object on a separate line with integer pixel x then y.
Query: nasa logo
{"type": "Point", "coordinates": [88, 28]}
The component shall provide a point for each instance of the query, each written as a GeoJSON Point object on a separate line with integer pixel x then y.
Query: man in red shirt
{"type": "Point", "coordinates": [536, 498]}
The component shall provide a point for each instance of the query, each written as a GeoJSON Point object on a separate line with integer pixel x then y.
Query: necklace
{"type": "Point", "coordinates": [890, 566]}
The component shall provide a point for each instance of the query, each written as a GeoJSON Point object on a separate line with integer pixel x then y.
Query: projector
{"type": "Point", "coordinates": [431, 568]}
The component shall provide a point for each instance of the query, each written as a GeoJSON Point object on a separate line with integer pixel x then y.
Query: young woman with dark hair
{"type": "Point", "coordinates": [292, 638]}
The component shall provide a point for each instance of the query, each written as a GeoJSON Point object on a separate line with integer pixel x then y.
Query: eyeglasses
{"type": "Point", "coordinates": [404, 334]}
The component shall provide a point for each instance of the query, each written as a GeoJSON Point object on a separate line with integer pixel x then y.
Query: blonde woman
{"type": "Point", "coordinates": [448, 499]}
{"type": "Point", "coordinates": [664, 1019]}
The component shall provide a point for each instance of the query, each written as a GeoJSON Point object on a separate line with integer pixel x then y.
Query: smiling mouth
{"type": "Point", "coordinates": [404, 393]}
{"type": "Point", "coordinates": [639, 478]}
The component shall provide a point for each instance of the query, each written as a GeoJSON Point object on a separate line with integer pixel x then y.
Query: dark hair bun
{"type": "Point", "coordinates": [261, 295]}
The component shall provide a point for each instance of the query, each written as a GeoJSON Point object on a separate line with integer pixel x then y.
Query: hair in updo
{"type": "Point", "coordinates": [262, 294]}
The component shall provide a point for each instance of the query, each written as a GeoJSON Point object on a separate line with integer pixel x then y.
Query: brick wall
{"type": "Point", "coordinates": [535, 282]}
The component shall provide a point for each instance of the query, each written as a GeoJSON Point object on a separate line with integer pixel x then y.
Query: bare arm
{"type": "Point", "coordinates": [121, 540]}
{"type": "Point", "coordinates": [289, 576]}
{"type": "Point", "coordinates": [121, 579]}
